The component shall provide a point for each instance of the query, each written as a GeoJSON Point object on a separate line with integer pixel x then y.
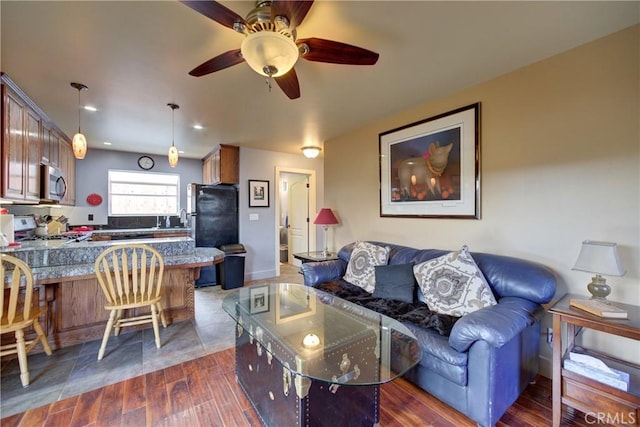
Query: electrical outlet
{"type": "Point", "coordinates": [549, 335]}
{"type": "Point", "coordinates": [90, 217]}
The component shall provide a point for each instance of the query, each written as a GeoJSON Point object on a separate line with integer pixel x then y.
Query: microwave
{"type": "Point", "coordinates": [53, 186]}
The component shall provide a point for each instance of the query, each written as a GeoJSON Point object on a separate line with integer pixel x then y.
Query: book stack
{"type": "Point", "coordinates": [599, 308]}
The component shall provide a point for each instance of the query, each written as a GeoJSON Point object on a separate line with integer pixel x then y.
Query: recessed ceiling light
{"type": "Point", "coordinates": [198, 127]}
{"type": "Point", "coordinates": [106, 143]}
{"type": "Point", "coordinates": [90, 108]}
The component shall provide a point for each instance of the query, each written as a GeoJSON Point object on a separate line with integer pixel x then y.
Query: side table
{"type": "Point", "coordinates": [599, 401]}
{"type": "Point", "coordinates": [315, 256]}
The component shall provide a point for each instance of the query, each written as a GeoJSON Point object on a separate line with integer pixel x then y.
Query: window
{"type": "Point", "coordinates": [143, 193]}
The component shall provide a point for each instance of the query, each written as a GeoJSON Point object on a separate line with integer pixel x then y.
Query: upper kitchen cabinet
{"type": "Point", "coordinates": [67, 164]}
{"type": "Point", "coordinates": [21, 139]}
{"type": "Point", "coordinates": [222, 166]}
{"type": "Point", "coordinates": [30, 139]}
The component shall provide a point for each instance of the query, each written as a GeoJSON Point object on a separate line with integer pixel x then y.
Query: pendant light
{"type": "Point", "coordinates": [173, 151]}
{"type": "Point", "coordinates": [79, 141]}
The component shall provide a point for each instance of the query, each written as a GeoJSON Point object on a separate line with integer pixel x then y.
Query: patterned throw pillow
{"type": "Point", "coordinates": [453, 284]}
{"type": "Point", "coordinates": [361, 267]}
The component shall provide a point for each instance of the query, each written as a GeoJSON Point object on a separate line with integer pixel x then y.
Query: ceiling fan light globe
{"type": "Point", "coordinates": [79, 145]}
{"type": "Point", "coordinates": [268, 51]}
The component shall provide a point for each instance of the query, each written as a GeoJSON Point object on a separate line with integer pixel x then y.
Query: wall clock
{"type": "Point", "coordinates": [145, 162]}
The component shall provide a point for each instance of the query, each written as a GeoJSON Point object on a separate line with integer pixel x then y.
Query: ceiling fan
{"type": "Point", "coordinates": [270, 46]}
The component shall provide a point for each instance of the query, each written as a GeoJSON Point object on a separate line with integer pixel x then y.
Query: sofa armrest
{"type": "Point", "coordinates": [321, 272]}
{"type": "Point", "coordinates": [496, 325]}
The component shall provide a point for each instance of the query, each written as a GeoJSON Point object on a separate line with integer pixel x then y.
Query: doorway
{"type": "Point", "coordinates": [295, 208]}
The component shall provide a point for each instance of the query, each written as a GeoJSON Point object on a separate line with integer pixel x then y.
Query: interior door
{"type": "Point", "coordinates": [298, 217]}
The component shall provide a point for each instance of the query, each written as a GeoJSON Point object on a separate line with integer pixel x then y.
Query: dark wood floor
{"type": "Point", "coordinates": [203, 392]}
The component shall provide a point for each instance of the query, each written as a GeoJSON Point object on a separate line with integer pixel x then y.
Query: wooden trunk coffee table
{"type": "Point", "coordinates": [308, 358]}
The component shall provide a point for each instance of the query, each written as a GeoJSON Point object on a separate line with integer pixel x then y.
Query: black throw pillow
{"type": "Point", "coordinates": [395, 282]}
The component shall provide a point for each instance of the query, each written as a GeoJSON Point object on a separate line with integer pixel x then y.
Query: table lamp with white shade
{"type": "Point", "coordinates": [600, 258]}
{"type": "Point", "coordinates": [325, 218]}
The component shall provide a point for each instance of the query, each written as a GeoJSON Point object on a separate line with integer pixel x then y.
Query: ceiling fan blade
{"type": "Point", "coordinates": [216, 11]}
{"type": "Point", "coordinates": [289, 84]}
{"type": "Point", "coordinates": [321, 50]}
{"type": "Point", "coordinates": [294, 10]}
{"type": "Point", "coordinates": [218, 63]}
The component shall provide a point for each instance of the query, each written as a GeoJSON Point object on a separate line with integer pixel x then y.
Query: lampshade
{"type": "Point", "coordinates": [325, 217]}
{"type": "Point", "coordinates": [79, 146]}
{"type": "Point", "coordinates": [600, 258]}
{"type": "Point", "coordinates": [311, 152]}
{"type": "Point", "coordinates": [269, 53]}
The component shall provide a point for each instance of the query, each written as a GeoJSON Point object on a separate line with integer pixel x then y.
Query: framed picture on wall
{"type": "Point", "coordinates": [258, 194]}
{"type": "Point", "coordinates": [431, 168]}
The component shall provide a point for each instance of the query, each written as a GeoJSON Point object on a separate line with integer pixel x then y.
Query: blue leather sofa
{"type": "Point", "coordinates": [490, 355]}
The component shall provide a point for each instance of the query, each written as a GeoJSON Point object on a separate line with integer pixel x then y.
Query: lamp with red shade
{"type": "Point", "coordinates": [325, 218]}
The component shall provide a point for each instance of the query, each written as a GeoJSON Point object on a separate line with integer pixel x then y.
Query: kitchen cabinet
{"type": "Point", "coordinates": [222, 166]}
{"type": "Point", "coordinates": [68, 167]}
{"type": "Point", "coordinates": [50, 145]}
{"type": "Point", "coordinates": [20, 148]}
{"type": "Point", "coordinates": [29, 139]}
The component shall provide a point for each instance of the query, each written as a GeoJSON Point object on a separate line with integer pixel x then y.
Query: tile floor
{"type": "Point", "coordinates": [74, 370]}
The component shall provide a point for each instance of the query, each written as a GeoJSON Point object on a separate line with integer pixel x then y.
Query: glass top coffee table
{"type": "Point", "coordinates": [305, 357]}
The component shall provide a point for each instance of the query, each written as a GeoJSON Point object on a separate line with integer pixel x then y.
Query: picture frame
{"type": "Point", "coordinates": [431, 168]}
{"type": "Point", "coordinates": [258, 193]}
{"type": "Point", "coordinates": [259, 299]}
{"type": "Point", "coordinates": [294, 303]}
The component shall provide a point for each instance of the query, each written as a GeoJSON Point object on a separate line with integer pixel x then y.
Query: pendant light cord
{"type": "Point", "coordinates": [79, 110]}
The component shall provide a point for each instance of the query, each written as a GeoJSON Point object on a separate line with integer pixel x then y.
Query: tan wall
{"type": "Point", "coordinates": [560, 163]}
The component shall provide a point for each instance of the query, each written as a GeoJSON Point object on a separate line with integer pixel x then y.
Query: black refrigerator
{"type": "Point", "coordinates": [214, 221]}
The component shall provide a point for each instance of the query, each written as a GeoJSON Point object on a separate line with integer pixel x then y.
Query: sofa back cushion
{"type": "Point", "coordinates": [507, 276]}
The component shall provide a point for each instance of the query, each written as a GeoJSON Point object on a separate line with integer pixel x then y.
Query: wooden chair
{"type": "Point", "coordinates": [131, 278]}
{"type": "Point", "coordinates": [20, 310]}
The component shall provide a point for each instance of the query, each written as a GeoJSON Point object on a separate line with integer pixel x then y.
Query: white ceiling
{"type": "Point", "coordinates": [135, 56]}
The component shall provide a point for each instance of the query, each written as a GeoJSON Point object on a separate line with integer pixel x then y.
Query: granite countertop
{"type": "Point", "coordinates": [154, 230]}
{"type": "Point", "coordinates": [55, 259]}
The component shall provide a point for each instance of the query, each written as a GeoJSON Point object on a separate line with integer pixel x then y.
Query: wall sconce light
{"type": "Point", "coordinates": [599, 258]}
{"type": "Point", "coordinates": [311, 151]}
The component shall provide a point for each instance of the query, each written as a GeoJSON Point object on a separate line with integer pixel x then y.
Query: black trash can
{"type": "Point", "coordinates": [231, 270]}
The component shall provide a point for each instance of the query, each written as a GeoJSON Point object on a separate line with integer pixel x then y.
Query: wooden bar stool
{"type": "Point", "coordinates": [20, 310]}
{"type": "Point", "coordinates": [131, 278]}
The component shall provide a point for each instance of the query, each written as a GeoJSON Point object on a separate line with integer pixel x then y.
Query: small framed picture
{"type": "Point", "coordinates": [258, 194]}
{"type": "Point", "coordinates": [259, 299]}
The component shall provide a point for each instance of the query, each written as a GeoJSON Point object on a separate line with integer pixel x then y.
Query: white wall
{"type": "Point", "coordinates": [259, 237]}
{"type": "Point", "coordinates": [560, 156]}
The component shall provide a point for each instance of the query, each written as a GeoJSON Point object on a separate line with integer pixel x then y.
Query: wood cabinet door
{"type": "Point", "coordinates": [68, 168]}
{"type": "Point", "coordinates": [229, 164]}
{"type": "Point", "coordinates": [32, 148]}
{"type": "Point", "coordinates": [13, 152]}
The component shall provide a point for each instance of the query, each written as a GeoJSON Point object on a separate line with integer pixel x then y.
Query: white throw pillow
{"type": "Point", "coordinates": [453, 284]}
{"type": "Point", "coordinates": [361, 268]}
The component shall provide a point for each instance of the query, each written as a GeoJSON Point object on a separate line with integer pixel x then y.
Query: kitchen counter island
{"type": "Point", "coordinates": [67, 285]}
